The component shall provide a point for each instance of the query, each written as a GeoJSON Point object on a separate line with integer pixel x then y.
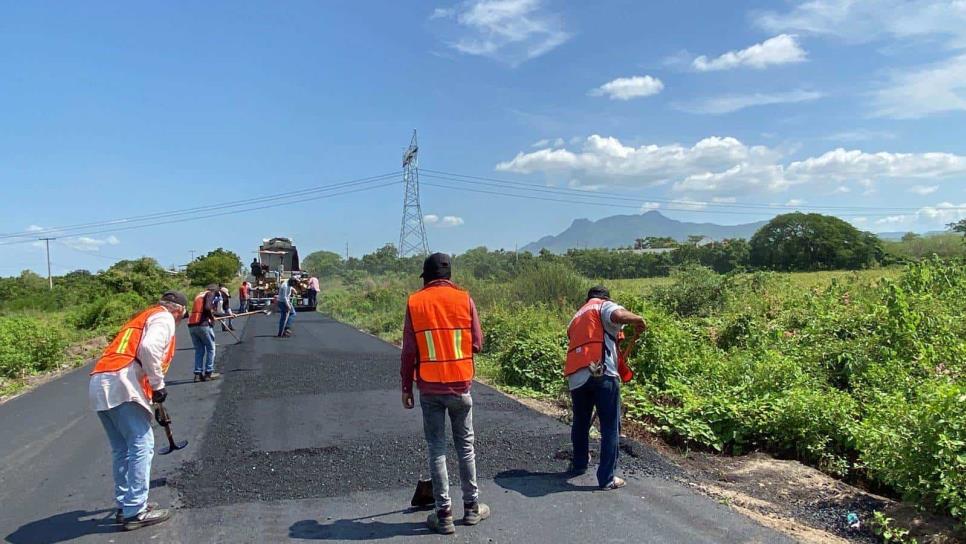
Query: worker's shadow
{"type": "Point", "coordinates": [64, 527]}
{"type": "Point", "coordinates": [539, 484]}
{"type": "Point", "coordinates": [357, 529]}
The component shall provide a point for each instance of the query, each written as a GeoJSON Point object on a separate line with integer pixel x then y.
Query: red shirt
{"type": "Point", "coordinates": [410, 355]}
{"type": "Point", "coordinates": [243, 290]}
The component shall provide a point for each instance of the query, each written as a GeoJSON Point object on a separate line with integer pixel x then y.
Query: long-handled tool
{"type": "Point", "coordinates": [243, 314]}
{"type": "Point", "coordinates": [165, 421]}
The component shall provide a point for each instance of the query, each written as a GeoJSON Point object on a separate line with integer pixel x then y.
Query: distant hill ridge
{"type": "Point", "coordinates": [621, 231]}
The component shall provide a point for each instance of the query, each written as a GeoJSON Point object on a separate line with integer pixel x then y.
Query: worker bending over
{"type": "Point", "coordinates": [200, 324]}
{"type": "Point", "coordinates": [125, 381]}
{"type": "Point", "coordinates": [441, 334]}
{"type": "Point", "coordinates": [594, 371]}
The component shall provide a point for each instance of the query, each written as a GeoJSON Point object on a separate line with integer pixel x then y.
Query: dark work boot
{"type": "Point", "coordinates": [474, 513]}
{"type": "Point", "coordinates": [441, 521]}
{"type": "Point", "coordinates": [212, 376]}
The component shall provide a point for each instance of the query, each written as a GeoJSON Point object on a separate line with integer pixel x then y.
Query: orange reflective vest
{"type": "Point", "coordinates": [198, 310]}
{"type": "Point", "coordinates": [442, 319]}
{"type": "Point", "coordinates": [586, 334]}
{"type": "Point", "coordinates": [123, 350]}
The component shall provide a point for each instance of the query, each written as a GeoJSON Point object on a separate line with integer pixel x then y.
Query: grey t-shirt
{"type": "Point", "coordinates": [580, 377]}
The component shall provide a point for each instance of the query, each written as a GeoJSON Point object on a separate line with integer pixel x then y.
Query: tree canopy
{"type": "Point", "coordinates": [798, 241]}
{"type": "Point", "coordinates": [218, 266]}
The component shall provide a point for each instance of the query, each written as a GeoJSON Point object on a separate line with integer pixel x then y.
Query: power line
{"type": "Point", "coordinates": [466, 178]}
{"type": "Point", "coordinates": [683, 206]}
{"type": "Point", "coordinates": [65, 230]}
{"type": "Point", "coordinates": [223, 213]}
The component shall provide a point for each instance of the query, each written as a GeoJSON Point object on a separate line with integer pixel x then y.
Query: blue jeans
{"type": "Point", "coordinates": [285, 319]}
{"type": "Point", "coordinates": [604, 393]}
{"type": "Point", "coordinates": [460, 409]}
{"type": "Point", "coordinates": [128, 428]}
{"type": "Point", "coordinates": [242, 305]}
{"type": "Point", "coordinates": [203, 339]}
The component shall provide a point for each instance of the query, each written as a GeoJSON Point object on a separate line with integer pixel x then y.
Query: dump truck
{"type": "Point", "coordinates": [277, 261]}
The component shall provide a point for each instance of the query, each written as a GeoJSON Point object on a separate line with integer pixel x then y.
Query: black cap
{"type": "Point", "coordinates": [598, 291]}
{"type": "Point", "coordinates": [436, 267]}
{"type": "Point", "coordinates": [175, 297]}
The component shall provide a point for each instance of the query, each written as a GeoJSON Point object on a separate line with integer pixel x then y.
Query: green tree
{"type": "Point", "coordinates": [322, 263]}
{"type": "Point", "coordinates": [798, 241]}
{"type": "Point", "coordinates": [218, 266]}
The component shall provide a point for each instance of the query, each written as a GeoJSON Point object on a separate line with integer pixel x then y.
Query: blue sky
{"type": "Point", "coordinates": [707, 111]}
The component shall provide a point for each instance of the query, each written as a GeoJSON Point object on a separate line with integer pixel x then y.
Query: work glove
{"type": "Point", "coordinates": [160, 395]}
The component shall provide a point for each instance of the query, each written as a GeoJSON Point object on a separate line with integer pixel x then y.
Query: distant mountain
{"type": "Point", "coordinates": [621, 231]}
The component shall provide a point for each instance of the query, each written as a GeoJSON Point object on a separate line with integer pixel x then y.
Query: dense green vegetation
{"type": "Point", "coordinates": [37, 324]}
{"type": "Point", "coordinates": [861, 375]}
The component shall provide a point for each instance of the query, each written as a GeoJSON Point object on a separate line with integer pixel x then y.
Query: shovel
{"type": "Point", "coordinates": [243, 314]}
{"type": "Point", "coordinates": [165, 422]}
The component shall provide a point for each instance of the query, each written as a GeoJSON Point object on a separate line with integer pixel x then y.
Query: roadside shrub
{"type": "Point", "coordinates": [550, 283]}
{"type": "Point", "coordinates": [694, 291]}
{"type": "Point", "coordinates": [107, 313]}
{"type": "Point", "coordinates": [29, 345]}
{"type": "Point", "coordinates": [919, 446]}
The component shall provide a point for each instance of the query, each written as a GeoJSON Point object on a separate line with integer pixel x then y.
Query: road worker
{"type": "Point", "coordinates": [286, 311]}
{"type": "Point", "coordinates": [125, 381]}
{"type": "Point", "coordinates": [594, 370]}
{"type": "Point", "coordinates": [440, 335]}
{"type": "Point", "coordinates": [200, 324]}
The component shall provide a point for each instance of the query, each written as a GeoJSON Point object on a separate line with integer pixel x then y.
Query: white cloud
{"type": "Point", "coordinates": [687, 204]}
{"type": "Point", "coordinates": [546, 142]}
{"type": "Point", "coordinates": [626, 88]}
{"type": "Point", "coordinates": [944, 212]}
{"type": "Point", "coordinates": [511, 31]}
{"type": "Point", "coordinates": [648, 206]}
{"type": "Point", "coordinates": [35, 228]}
{"type": "Point", "coordinates": [442, 222]}
{"type": "Point", "coordinates": [717, 105]}
{"type": "Point", "coordinates": [795, 202]}
{"type": "Point", "coordinates": [870, 20]}
{"type": "Point", "coordinates": [860, 135]}
{"type": "Point", "coordinates": [924, 189]}
{"type": "Point", "coordinates": [782, 49]}
{"type": "Point", "coordinates": [725, 166]}
{"type": "Point", "coordinates": [724, 199]}
{"type": "Point", "coordinates": [86, 243]}
{"type": "Point", "coordinates": [926, 90]}
{"type": "Point", "coordinates": [895, 220]}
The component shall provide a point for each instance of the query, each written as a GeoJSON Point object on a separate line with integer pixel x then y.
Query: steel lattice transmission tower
{"type": "Point", "coordinates": [412, 233]}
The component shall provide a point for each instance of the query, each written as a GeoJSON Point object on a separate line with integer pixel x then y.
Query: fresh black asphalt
{"type": "Point", "coordinates": [305, 438]}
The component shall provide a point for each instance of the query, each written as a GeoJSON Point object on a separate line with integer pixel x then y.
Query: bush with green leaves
{"type": "Point", "coordinates": [29, 345]}
{"type": "Point", "coordinates": [552, 283]}
{"type": "Point", "coordinates": [694, 291]}
{"type": "Point", "coordinates": [107, 313]}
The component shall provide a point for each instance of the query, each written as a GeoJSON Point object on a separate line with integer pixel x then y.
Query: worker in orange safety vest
{"type": "Point", "coordinates": [440, 335]}
{"type": "Point", "coordinates": [595, 369]}
{"type": "Point", "coordinates": [125, 381]}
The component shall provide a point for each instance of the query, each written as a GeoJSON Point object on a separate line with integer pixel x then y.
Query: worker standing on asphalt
{"type": "Point", "coordinates": [440, 335]}
{"type": "Point", "coordinates": [200, 324]}
{"type": "Point", "coordinates": [286, 311]}
{"type": "Point", "coordinates": [243, 292]}
{"type": "Point", "coordinates": [594, 374]}
{"type": "Point", "coordinates": [313, 291]}
{"type": "Point", "coordinates": [224, 308]}
{"type": "Point", "coordinates": [125, 381]}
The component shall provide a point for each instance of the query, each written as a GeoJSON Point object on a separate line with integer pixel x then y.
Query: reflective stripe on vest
{"type": "Point", "coordinates": [586, 337]}
{"type": "Point", "coordinates": [442, 319]}
{"type": "Point", "coordinates": [123, 350]}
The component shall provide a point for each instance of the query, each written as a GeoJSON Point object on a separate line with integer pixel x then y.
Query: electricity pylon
{"type": "Point", "coordinates": [412, 233]}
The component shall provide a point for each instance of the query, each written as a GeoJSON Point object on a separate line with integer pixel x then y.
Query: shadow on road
{"type": "Point", "coordinates": [356, 529]}
{"type": "Point", "coordinates": [64, 527]}
{"type": "Point", "coordinates": [538, 484]}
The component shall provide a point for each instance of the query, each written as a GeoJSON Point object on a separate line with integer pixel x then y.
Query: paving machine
{"type": "Point", "coordinates": [277, 261]}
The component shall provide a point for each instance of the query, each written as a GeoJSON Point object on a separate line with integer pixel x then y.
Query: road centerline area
{"type": "Point", "coordinates": [304, 438]}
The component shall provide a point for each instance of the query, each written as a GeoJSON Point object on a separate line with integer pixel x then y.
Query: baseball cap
{"type": "Point", "coordinates": [436, 266]}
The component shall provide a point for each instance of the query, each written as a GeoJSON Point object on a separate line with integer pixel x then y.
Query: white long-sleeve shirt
{"type": "Point", "coordinates": [110, 389]}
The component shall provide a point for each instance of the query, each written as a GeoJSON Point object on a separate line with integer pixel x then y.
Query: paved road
{"type": "Point", "coordinates": [305, 439]}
